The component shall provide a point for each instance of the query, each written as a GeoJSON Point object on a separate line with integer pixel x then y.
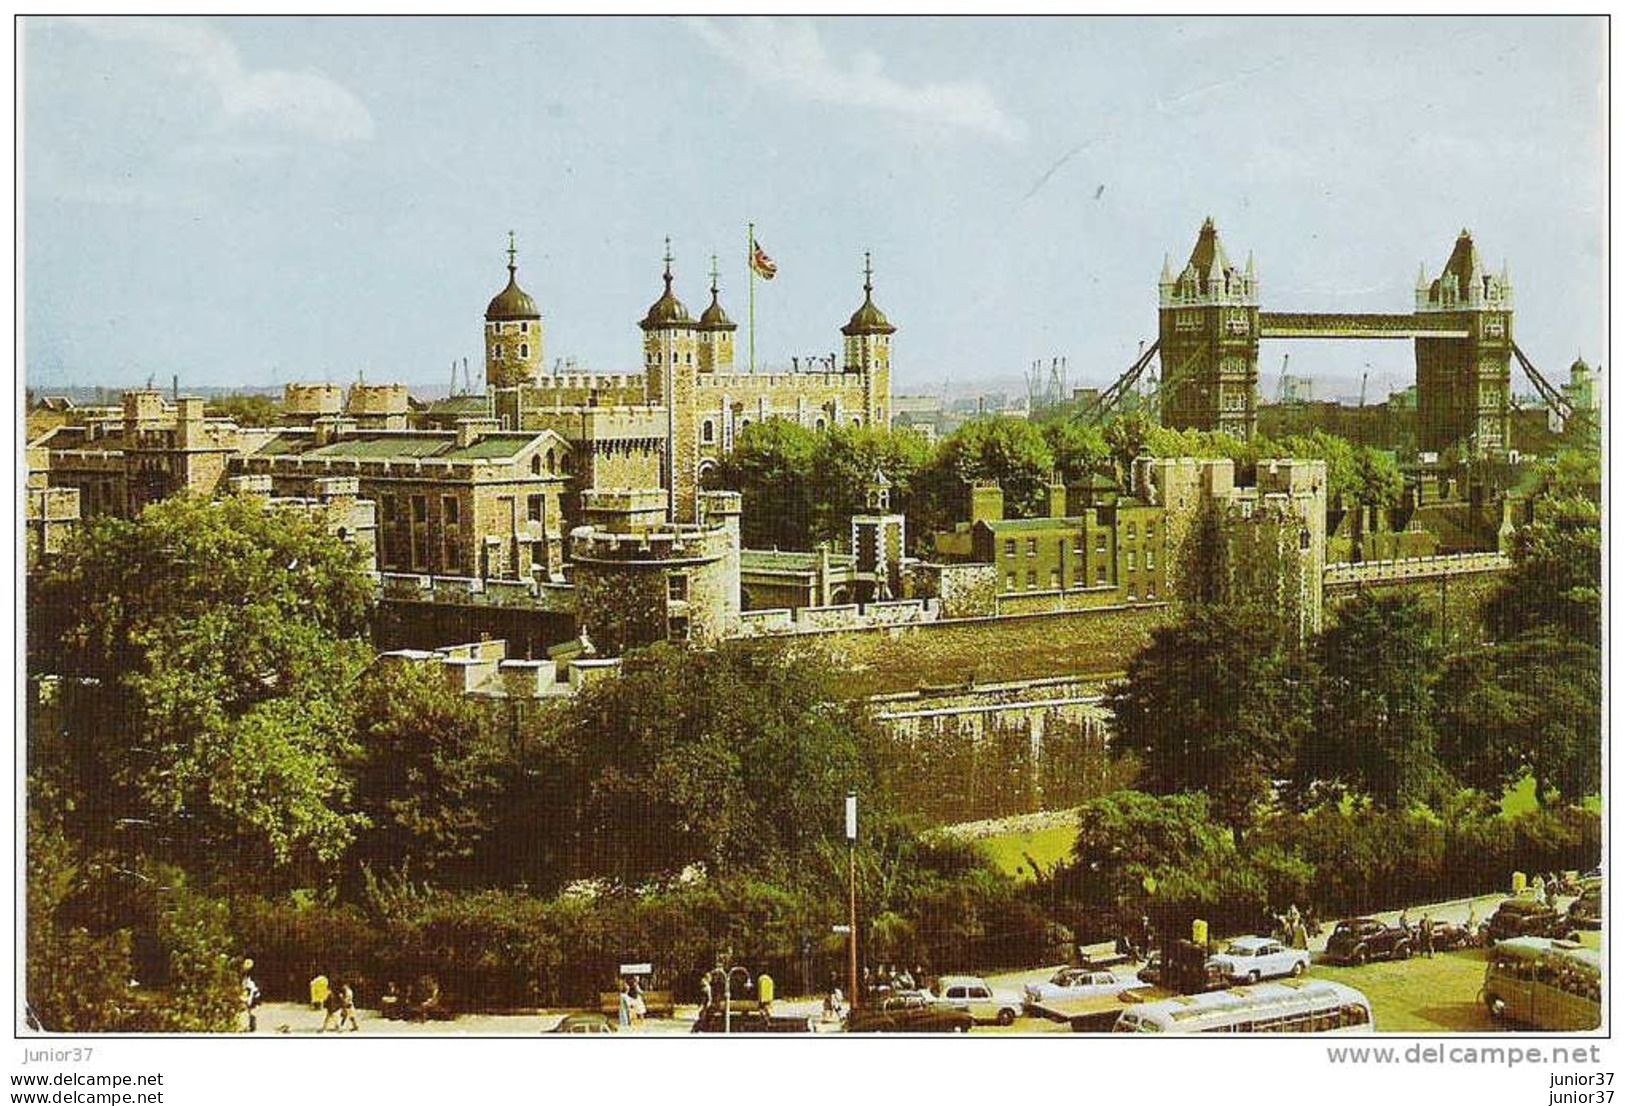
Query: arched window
{"type": "Point", "coordinates": [708, 432]}
{"type": "Point", "coordinates": [524, 349]}
{"type": "Point", "coordinates": [497, 354]}
{"type": "Point", "coordinates": [536, 465]}
{"type": "Point", "coordinates": [818, 424]}
{"type": "Point", "coordinates": [552, 463]}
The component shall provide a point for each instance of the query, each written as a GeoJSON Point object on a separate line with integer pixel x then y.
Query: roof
{"type": "Point", "coordinates": [425, 446]}
{"type": "Point", "coordinates": [460, 405]}
{"type": "Point", "coordinates": [868, 319]}
{"type": "Point", "coordinates": [714, 317]}
{"type": "Point", "coordinates": [1208, 259]}
{"type": "Point", "coordinates": [1071, 522]}
{"type": "Point", "coordinates": [774, 560]}
{"type": "Point", "coordinates": [513, 302]}
{"type": "Point", "coordinates": [667, 311]}
{"type": "Point", "coordinates": [1464, 263]}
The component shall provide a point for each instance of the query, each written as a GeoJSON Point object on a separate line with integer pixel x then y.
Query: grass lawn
{"type": "Point", "coordinates": [1520, 798]}
{"type": "Point", "coordinates": [1046, 846]}
{"type": "Point", "coordinates": [1421, 995]}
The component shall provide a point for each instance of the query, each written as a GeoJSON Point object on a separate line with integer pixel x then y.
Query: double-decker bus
{"type": "Point", "coordinates": [1289, 1006]}
{"type": "Point", "coordinates": [1543, 983]}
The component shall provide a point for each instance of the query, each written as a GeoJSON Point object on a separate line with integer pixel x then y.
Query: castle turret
{"type": "Point", "coordinates": [715, 333]}
{"type": "Point", "coordinates": [513, 333]}
{"type": "Point", "coordinates": [868, 351]}
{"type": "Point", "coordinates": [1464, 384]}
{"type": "Point", "coordinates": [669, 356]}
{"type": "Point", "coordinates": [1208, 333]}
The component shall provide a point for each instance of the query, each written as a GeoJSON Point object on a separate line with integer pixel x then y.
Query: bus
{"type": "Point", "coordinates": [1286, 1006]}
{"type": "Point", "coordinates": [1542, 983]}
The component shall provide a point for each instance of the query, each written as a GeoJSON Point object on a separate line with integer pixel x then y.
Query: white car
{"type": "Point", "coordinates": [1074, 983]}
{"type": "Point", "coordinates": [1249, 959]}
{"type": "Point", "coordinates": [972, 994]}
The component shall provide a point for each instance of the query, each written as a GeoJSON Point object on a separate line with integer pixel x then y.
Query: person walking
{"type": "Point", "coordinates": [347, 1007]}
{"type": "Point", "coordinates": [250, 998]}
{"type": "Point", "coordinates": [332, 1004]}
{"type": "Point", "coordinates": [1426, 935]}
{"type": "Point", "coordinates": [625, 1006]}
{"type": "Point", "coordinates": [706, 997]}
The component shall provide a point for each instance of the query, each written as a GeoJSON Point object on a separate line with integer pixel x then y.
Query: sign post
{"type": "Point", "coordinates": [852, 879]}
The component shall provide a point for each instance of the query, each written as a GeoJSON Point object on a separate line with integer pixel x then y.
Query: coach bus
{"type": "Point", "coordinates": [1541, 983]}
{"type": "Point", "coordinates": [1288, 1006]}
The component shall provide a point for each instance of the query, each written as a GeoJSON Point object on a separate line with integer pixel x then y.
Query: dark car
{"type": "Point", "coordinates": [908, 1014]}
{"type": "Point", "coordinates": [1358, 940]}
{"type": "Point", "coordinates": [1526, 918]}
{"type": "Point", "coordinates": [751, 1021]}
{"type": "Point", "coordinates": [584, 1023]}
{"type": "Point", "coordinates": [1585, 912]}
{"type": "Point", "coordinates": [1213, 977]}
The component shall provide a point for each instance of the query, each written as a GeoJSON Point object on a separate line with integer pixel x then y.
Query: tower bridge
{"type": "Point", "coordinates": [1210, 325]}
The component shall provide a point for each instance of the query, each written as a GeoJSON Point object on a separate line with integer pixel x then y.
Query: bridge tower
{"type": "Point", "coordinates": [1208, 328]}
{"type": "Point", "coordinates": [1464, 385]}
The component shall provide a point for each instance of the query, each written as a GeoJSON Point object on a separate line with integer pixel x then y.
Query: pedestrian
{"type": "Point", "coordinates": [764, 994]}
{"type": "Point", "coordinates": [1538, 885]}
{"type": "Point", "coordinates": [1426, 934]}
{"type": "Point", "coordinates": [706, 997]}
{"type": "Point", "coordinates": [332, 1004]}
{"type": "Point", "coordinates": [250, 997]}
{"type": "Point", "coordinates": [1472, 923]}
{"type": "Point", "coordinates": [347, 1007]}
{"type": "Point", "coordinates": [1404, 920]}
{"type": "Point", "coordinates": [639, 1006]}
{"type": "Point", "coordinates": [318, 990]}
{"type": "Point", "coordinates": [625, 1005]}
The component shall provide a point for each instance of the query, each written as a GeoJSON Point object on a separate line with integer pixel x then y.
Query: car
{"type": "Point", "coordinates": [973, 995]}
{"type": "Point", "coordinates": [1249, 959]}
{"type": "Point", "coordinates": [911, 1013]}
{"type": "Point", "coordinates": [1585, 912]}
{"type": "Point", "coordinates": [752, 1021]}
{"type": "Point", "coordinates": [1526, 918]}
{"type": "Point", "coordinates": [1358, 940]}
{"type": "Point", "coordinates": [584, 1023]}
{"type": "Point", "coordinates": [1153, 973]}
{"type": "Point", "coordinates": [1071, 983]}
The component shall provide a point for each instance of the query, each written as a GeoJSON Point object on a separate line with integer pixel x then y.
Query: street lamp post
{"type": "Point", "coordinates": [727, 994]}
{"type": "Point", "coordinates": [852, 895]}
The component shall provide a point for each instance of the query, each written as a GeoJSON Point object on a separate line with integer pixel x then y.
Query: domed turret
{"type": "Point", "coordinates": [868, 319]}
{"type": "Point", "coordinates": [716, 331]}
{"type": "Point", "coordinates": [513, 302]}
{"type": "Point", "coordinates": [668, 310]}
{"type": "Point", "coordinates": [513, 332]}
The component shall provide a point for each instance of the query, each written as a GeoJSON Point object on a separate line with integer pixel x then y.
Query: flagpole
{"type": "Point", "coordinates": [750, 263]}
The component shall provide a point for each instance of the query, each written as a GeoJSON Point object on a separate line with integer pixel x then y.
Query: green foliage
{"type": "Point", "coordinates": [427, 771]}
{"type": "Point", "coordinates": [802, 486]}
{"type": "Point", "coordinates": [201, 969]}
{"type": "Point", "coordinates": [1373, 726]}
{"type": "Point", "coordinates": [735, 757]}
{"type": "Point", "coordinates": [1215, 703]}
{"type": "Point", "coordinates": [1555, 585]}
{"type": "Point", "coordinates": [1013, 452]}
{"type": "Point", "coordinates": [204, 649]}
{"type": "Point", "coordinates": [1531, 706]}
{"type": "Point", "coordinates": [246, 409]}
{"type": "Point", "coordinates": [1080, 451]}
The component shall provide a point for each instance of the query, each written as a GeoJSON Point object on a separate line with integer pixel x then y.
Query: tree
{"type": "Point", "coordinates": [1010, 452]}
{"type": "Point", "coordinates": [203, 650]}
{"type": "Point", "coordinates": [1555, 585]}
{"type": "Point", "coordinates": [738, 758]}
{"type": "Point", "coordinates": [1532, 706]}
{"type": "Point", "coordinates": [428, 773]}
{"type": "Point", "coordinates": [1080, 451]}
{"type": "Point", "coordinates": [1215, 703]}
{"type": "Point", "coordinates": [1373, 727]}
{"type": "Point", "coordinates": [771, 466]}
{"type": "Point", "coordinates": [246, 409]}
{"type": "Point", "coordinates": [846, 460]}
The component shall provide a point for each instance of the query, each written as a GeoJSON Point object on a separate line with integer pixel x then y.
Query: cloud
{"type": "Point", "coordinates": [305, 103]}
{"type": "Point", "coordinates": [789, 55]}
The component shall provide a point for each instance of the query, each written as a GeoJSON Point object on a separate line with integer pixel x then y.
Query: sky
{"type": "Point", "coordinates": [254, 201]}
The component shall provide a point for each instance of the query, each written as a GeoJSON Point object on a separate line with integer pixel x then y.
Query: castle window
{"type": "Point", "coordinates": [1133, 560]}
{"type": "Point", "coordinates": [674, 357]}
{"type": "Point", "coordinates": [1131, 531]}
{"type": "Point", "coordinates": [677, 628]}
{"type": "Point", "coordinates": [1032, 547]}
{"type": "Point", "coordinates": [1150, 558]}
{"type": "Point", "coordinates": [689, 358]}
{"type": "Point", "coordinates": [1010, 581]}
{"type": "Point", "coordinates": [535, 508]}
{"type": "Point", "coordinates": [857, 421]}
{"type": "Point", "coordinates": [1151, 589]}
{"type": "Point", "coordinates": [677, 587]}
{"type": "Point", "coordinates": [450, 510]}
{"type": "Point", "coordinates": [708, 432]}
{"type": "Point", "coordinates": [420, 508]}
{"type": "Point", "coordinates": [1100, 541]}
{"type": "Point", "coordinates": [1032, 579]}
{"type": "Point", "coordinates": [524, 328]}
{"type": "Point", "coordinates": [818, 424]}
{"type": "Point", "coordinates": [552, 463]}
{"type": "Point", "coordinates": [1009, 547]}
{"type": "Point", "coordinates": [1100, 576]}
{"type": "Point", "coordinates": [536, 465]}
{"type": "Point", "coordinates": [524, 349]}
{"type": "Point", "coordinates": [496, 353]}
{"type": "Point", "coordinates": [1303, 540]}
{"type": "Point", "coordinates": [1055, 579]}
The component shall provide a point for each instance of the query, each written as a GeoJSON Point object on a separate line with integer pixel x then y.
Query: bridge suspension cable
{"type": "Point", "coordinates": [1552, 397]}
{"type": "Point", "coordinates": [1113, 395]}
